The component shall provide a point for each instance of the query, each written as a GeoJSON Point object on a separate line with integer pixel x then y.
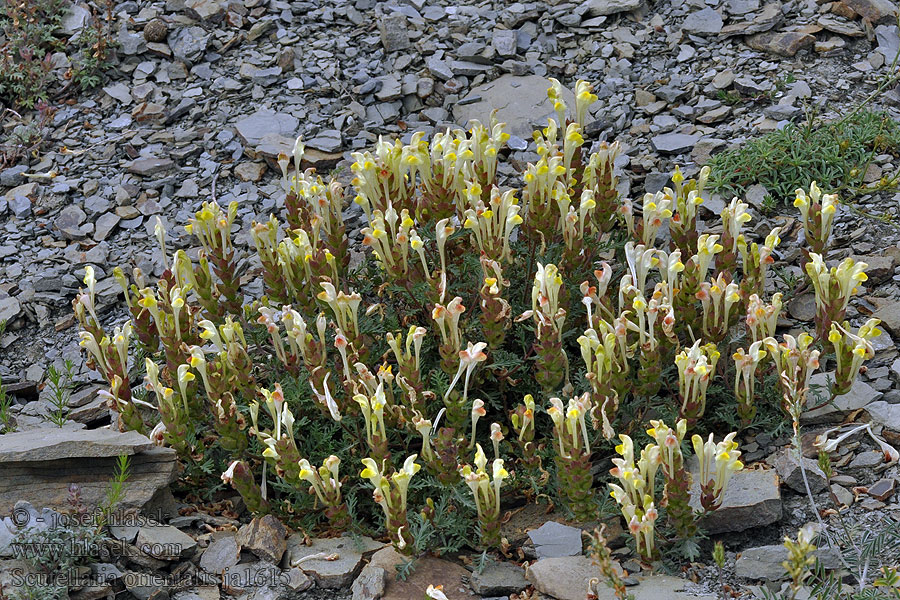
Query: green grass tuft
{"type": "Point", "coordinates": [834, 155]}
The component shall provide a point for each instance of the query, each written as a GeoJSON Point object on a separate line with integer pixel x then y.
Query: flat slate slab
{"type": "Point", "coordinates": [521, 103]}
{"type": "Point", "coordinates": [331, 574]}
{"type": "Point", "coordinates": [554, 539]}
{"type": "Point", "coordinates": [674, 143]}
{"type": "Point", "coordinates": [254, 128]}
{"type": "Point", "coordinates": [429, 570]}
{"type": "Point", "coordinates": [860, 395]}
{"type": "Point", "coordinates": [54, 444]}
{"type": "Point", "coordinates": [752, 499]}
{"type": "Point", "coordinates": [38, 465]}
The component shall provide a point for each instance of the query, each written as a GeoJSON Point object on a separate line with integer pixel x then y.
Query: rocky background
{"type": "Point", "coordinates": [206, 93]}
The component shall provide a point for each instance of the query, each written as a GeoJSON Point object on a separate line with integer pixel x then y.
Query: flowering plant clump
{"type": "Point", "coordinates": [678, 479]}
{"type": "Point", "coordinates": [477, 307]}
{"type": "Point", "coordinates": [391, 492]}
{"type": "Point", "coordinates": [850, 351]}
{"type": "Point", "coordinates": [817, 215]}
{"type": "Point", "coordinates": [834, 287]}
{"type": "Point", "coordinates": [636, 494]}
{"type": "Point", "coordinates": [486, 490]}
{"type": "Point", "coordinates": [573, 453]}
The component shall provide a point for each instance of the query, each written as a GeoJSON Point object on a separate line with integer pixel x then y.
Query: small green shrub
{"type": "Point", "coordinates": [6, 424]}
{"type": "Point", "coordinates": [60, 383]}
{"type": "Point", "coordinates": [835, 155]}
{"type": "Point", "coordinates": [32, 29]}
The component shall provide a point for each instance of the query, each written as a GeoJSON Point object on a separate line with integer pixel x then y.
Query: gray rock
{"type": "Point", "coordinates": [120, 92]}
{"type": "Point", "coordinates": [327, 141]}
{"type": "Point", "coordinates": [183, 107]}
{"type": "Point", "coordinates": [254, 128]}
{"type": "Point", "coordinates": [749, 87]}
{"type": "Point", "coordinates": [58, 444]}
{"type": "Point", "coordinates": [165, 542]}
{"type": "Point", "coordinates": [888, 312]}
{"type": "Point", "coordinates": [859, 396]}
{"type": "Point", "coordinates": [712, 206]}
{"type": "Point", "coordinates": [297, 580]}
{"type": "Point", "coordinates": [685, 53]}
{"type": "Point", "coordinates": [265, 537]}
{"type": "Point", "coordinates": [670, 93]}
{"type": "Point", "coordinates": [657, 587]}
{"type": "Point", "coordinates": [439, 68]}
{"type": "Point", "coordinates": [674, 143]}
{"type": "Point", "coordinates": [19, 204]}
{"type": "Point", "coordinates": [12, 176]}
{"type": "Point", "coordinates": [499, 579]}
{"type": "Point", "coordinates": [69, 222]}
{"type": "Point", "coordinates": [554, 539]}
{"type": "Point", "coordinates": [783, 112]}
{"type": "Point", "coordinates": [752, 499]}
{"type": "Point", "coordinates": [206, 10]}
{"type": "Point", "coordinates": [654, 182]}
{"type": "Point", "coordinates": [723, 79]}
{"type": "Point", "coordinates": [866, 460]}
{"type": "Point", "coordinates": [86, 456]}
{"type": "Point", "coordinates": [705, 149]}
{"type": "Point", "coordinates": [762, 563]}
{"type": "Point", "coordinates": [741, 7]}
{"type": "Point", "coordinates": [521, 102]}
{"type": "Point", "coordinates": [468, 68]}
{"type": "Point", "coordinates": [788, 468]}
{"type": "Point", "coordinates": [75, 20]}
{"type": "Point", "coordinates": [435, 114]}
{"type": "Point", "coordinates": [131, 44]}
{"type": "Point", "coordinates": [260, 28]}
{"type": "Point", "coordinates": [888, 41]}
{"type": "Point", "coordinates": [246, 577]}
{"type": "Point", "coordinates": [770, 16]}
{"type": "Point", "coordinates": [120, 123]}
{"type": "Point", "coordinates": [840, 26]}
{"type": "Point", "coordinates": [517, 143]}
{"type": "Point", "coordinates": [394, 35]}
{"type": "Point", "coordinates": [264, 77]}
{"type": "Point", "coordinates": [704, 21]}
{"type": "Point", "coordinates": [803, 307]}
{"type": "Point", "coordinates": [189, 43]}
{"type": "Point", "coordinates": [876, 11]}
{"type": "Point", "coordinates": [390, 90]}
{"type": "Point", "coordinates": [600, 8]}
{"type": "Point", "coordinates": [504, 42]}
{"type": "Point", "coordinates": [330, 573]}
{"type": "Point", "coordinates": [882, 489]}
{"type": "Point", "coordinates": [104, 225]}
{"type": "Point", "coordinates": [563, 578]}
{"type": "Point", "coordinates": [7, 535]}
{"type": "Point", "coordinates": [220, 555]}
{"type": "Point", "coordinates": [188, 189]}
{"type": "Point", "coordinates": [474, 52]}
{"type": "Point", "coordinates": [370, 584]}
{"type": "Point", "coordinates": [10, 308]}
{"type": "Point", "coordinates": [424, 87]}
{"type": "Point", "coordinates": [150, 165]}
{"type": "Point", "coordinates": [782, 43]}
{"type": "Point", "coordinates": [881, 413]}
{"type": "Point", "coordinates": [756, 195]}
{"type": "Point", "coordinates": [843, 496]}
{"type": "Point", "coordinates": [569, 578]}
